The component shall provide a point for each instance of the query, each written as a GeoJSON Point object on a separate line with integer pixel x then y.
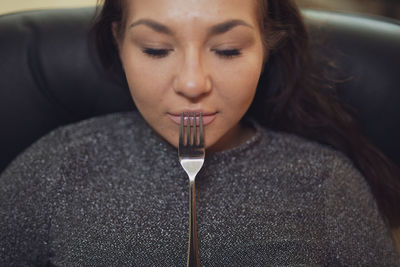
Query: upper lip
{"type": "Point", "coordinates": [197, 111]}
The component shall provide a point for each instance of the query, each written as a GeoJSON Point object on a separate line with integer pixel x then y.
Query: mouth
{"type": "Point", "coordinates": [207, 117]}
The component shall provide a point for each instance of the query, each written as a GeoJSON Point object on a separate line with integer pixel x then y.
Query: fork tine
{"type": "Point", "coordinates": [181, 142]}
{"type": "Point", "coordinates": [194, 130]}
{"type": "Point", "coordinates": [201, 141]}
{"type": "Point", "coordinates": [188, 122]}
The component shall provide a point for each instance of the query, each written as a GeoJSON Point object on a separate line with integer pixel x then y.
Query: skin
{"type": "Point", "coordinates": [176, 59]}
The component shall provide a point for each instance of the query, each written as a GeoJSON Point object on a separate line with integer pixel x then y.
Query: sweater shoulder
{"type": "Point", "coordinates": [302, 155]}
{"type": "Point", "coordinates": [295, 146]}
{"type": "Point", "coordinates": [95, 134]}
{"type": "Point", "coordinates": [111, 124]}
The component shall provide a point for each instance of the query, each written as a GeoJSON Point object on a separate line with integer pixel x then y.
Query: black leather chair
{"type": "Point", "coordinates": [50, 74]}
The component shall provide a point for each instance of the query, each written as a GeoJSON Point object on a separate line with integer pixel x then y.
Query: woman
{"type": "Point", "coordinates": [110, 190]}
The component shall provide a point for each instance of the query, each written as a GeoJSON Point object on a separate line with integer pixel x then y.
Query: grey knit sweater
{"type": "Point", "coordinates": [110, 192]}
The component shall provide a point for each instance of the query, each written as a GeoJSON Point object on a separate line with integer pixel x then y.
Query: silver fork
{"type": "Point", "coordinates": [191, 154]}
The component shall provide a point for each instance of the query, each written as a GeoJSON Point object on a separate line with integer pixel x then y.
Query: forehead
{"type": "Point", "coordinates": [191, 10]}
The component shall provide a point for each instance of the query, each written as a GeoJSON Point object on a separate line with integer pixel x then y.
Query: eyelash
{"type": "Point", "coordinates": [228, 53]}
{"type": "Point", "coordinates": [156, 53]}
{"type": "Point", "coordinates": [160, 53]}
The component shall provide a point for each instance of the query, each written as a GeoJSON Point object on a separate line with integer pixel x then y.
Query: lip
{"type": "Point", "coordinates": [207, 117]}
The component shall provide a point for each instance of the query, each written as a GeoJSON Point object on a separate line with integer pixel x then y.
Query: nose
{"type": "Point", "coordinates": [193, 79]}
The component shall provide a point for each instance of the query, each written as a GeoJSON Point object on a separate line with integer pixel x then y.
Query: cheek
{"type": "Point", "coordinates": [239, 84]}
{"type": "Point", "coordinates": [138, 87]}
{"type": "Point", "coordinates": [145, 83]}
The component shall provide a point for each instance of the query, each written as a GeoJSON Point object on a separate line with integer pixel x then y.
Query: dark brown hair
{"type": "Point", "coordinates": [293, 95]}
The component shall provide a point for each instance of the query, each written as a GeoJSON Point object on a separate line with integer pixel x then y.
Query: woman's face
{"type": "Point", "coordinates": [193, 55]}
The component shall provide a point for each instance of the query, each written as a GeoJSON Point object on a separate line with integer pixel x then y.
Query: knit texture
{"type": "Point", "coordinates": [110, 192]}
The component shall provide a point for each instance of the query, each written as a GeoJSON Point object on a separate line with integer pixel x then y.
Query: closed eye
{"type": "Point", "coordinates": [228, 53]}
{"type": "Point", "coordinates": [157, 53]}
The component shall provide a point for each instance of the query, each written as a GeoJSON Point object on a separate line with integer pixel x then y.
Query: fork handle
{"type": "Point", "coordinates": [193, 257]}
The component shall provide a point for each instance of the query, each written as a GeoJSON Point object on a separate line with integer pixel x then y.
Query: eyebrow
{"type": "Point", "coordinates": [227, 26]}
{"type": "Point", "coordinates": [158, 27]}
{"type": "Point", "coordinates": [214, 30]}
